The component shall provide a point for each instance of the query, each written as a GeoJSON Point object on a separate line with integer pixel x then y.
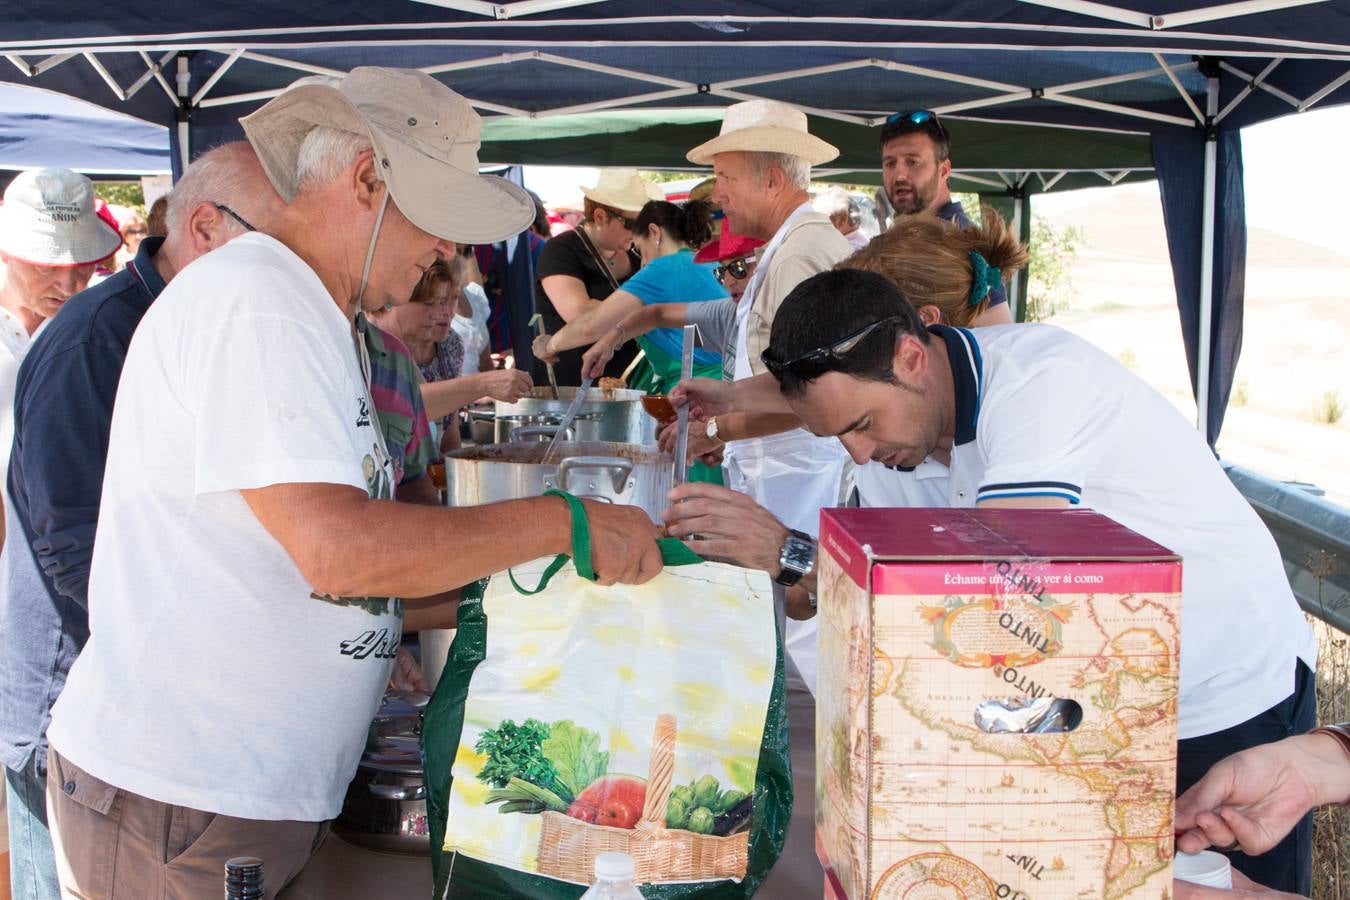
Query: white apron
{"type": "Point", "coordinates": [792, 475]}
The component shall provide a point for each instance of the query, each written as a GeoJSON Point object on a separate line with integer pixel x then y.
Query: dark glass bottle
{"type": "Point", "coordinates": [244, 878]}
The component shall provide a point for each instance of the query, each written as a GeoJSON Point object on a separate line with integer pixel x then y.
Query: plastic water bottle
{"type": "Point", "coordinates": [613, 878]}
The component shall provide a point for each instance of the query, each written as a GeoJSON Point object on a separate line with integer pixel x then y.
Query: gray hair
{"type": "Point", "coordinates": [324, 154]}
{"type": "Point", "coordinates": [796, 170]}
{"type": "Point", "coordinates": [228, 174]}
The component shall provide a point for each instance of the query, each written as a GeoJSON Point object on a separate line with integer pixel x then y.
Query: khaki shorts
{"type": "Point", "coordinates": [112, 844]}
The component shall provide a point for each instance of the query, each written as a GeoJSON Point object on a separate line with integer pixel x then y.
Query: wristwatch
{"type": "Point", "coordinates": [797, 558]}
{"type": "Point", "coordinates": [712, 431]}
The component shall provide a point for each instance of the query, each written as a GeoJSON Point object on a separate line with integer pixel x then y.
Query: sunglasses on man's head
{"type": "Point", "coordinates": [814, 363]}
{"type": "Point", "coordinates": [736, 268]}
{"type": "Point", "coordinates": [918, 117]}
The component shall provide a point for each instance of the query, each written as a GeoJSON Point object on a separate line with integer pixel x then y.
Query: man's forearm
{"type": "Point", "coordinates": [347, 545]}
{"type": "Point", "coordinates": [741, 426]}
{"type": "Point", "coordinates": [759, 394]}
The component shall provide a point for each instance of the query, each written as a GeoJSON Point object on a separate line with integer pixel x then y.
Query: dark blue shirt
{"type": "Point", "coordinates": [953, 212]}
{"type": "Point", "coordinates": [63, 404]}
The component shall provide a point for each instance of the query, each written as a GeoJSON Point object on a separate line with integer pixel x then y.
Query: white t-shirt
{"type": "Point", "coordinates": [214, 677]}
{"type": "Point", "coordinates": [1042, 411]}
{"type": "Point", "coordinates": [473, 330]}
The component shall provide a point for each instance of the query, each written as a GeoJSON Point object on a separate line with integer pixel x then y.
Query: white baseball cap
{"type": "Point", "coordinates": [48, 219]}
{"type": "Point", "coordinates": [426, 140]}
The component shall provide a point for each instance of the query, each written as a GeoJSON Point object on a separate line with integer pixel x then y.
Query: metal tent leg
{"type": "Point", "coordinates": [1204, 349]}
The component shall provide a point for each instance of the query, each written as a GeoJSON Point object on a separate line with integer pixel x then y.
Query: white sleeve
{"type": "Point", "coordinates": [1045, 437]}
{"type": "Point", "coordinates": [271, 398]}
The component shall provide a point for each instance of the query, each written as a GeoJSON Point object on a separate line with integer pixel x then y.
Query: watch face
{"type": "Point", "coordinates": [711, 430]}
{"type": "Point", "coordinates": [799, 554]}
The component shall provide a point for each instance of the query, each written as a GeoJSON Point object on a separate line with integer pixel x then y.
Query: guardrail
{"type": "Point", "coordinates": [1314, 539]}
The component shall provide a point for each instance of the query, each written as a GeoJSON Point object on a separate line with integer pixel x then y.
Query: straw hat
{"type": "Point", "coordinates": [48, 219]}
{"type": "Point", "coordinates": [764, 126]}
{"type": "Point", "coordinates": [426, 140]}
{"type": "Point", "coordinates": [621, 189]}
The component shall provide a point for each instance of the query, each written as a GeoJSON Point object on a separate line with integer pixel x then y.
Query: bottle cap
{"type": "Point", "coordinates": [1206, 868]}
{"type": "Point", "coordinates": [615, 866]}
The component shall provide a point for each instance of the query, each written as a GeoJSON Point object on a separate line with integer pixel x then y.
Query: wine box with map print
{"type": "Point", "coordinates": [996, 705]}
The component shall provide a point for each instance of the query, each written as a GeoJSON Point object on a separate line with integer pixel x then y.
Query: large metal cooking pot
{"type": "Point", "coordinates": [606, 414]}
{"type": "Point", "coordinates": [609, 472]}
{"type": "Point", "coordinates": [386, 803]}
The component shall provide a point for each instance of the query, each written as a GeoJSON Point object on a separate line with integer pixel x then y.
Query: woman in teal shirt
{"type": "Point", "coordinates": [665, 236]}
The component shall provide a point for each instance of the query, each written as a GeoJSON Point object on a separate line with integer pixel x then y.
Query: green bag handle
{"type": "Point", "coordinates": [673, 551]}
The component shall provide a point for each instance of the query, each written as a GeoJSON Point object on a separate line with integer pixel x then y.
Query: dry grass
{"type": "Point", "coordinates": [1331, 837]}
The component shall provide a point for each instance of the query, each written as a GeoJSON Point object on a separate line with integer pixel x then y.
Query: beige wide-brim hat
{"type": "Point", "coordinates": [48, 219]}
{"type": "Point", "coordinates": [764, 126]}
{"type": "Point", "coordinates": [623, 190]}
{"type": "Point", "coordinates": [426, 139]}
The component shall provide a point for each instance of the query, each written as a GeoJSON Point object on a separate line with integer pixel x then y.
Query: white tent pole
{"type": "Point", "coordinates": [1015, 287]}
{"type": "Point", "coordinates": [1207, 263]}
{"type": "Point", "coordinates": [184, 133]}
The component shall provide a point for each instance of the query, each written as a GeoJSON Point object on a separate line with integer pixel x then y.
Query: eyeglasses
{"type": "Point", "coordinates": [918, 117]}
{"type": "Point", "coordinates": [736, 268]}
{"type": "Point", "coordinates": [814, 363]}
{"type": "Point", "coordinates": [629, 224]}
{"type": "Point", "coordinates": [234, 215]}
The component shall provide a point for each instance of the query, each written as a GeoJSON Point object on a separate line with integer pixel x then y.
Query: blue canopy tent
{"type": "Point", "coordinates": [40, 128]}
{"type": "Point", "coordinates": [1177, 75]}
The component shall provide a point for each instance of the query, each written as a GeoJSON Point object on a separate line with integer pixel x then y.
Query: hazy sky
{"type": "Point", "coordinates": [1295, 177]}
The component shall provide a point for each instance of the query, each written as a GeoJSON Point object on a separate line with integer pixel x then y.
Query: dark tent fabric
{"type": "Point", "coordinates": [1180, 159]}
{"type": "Point", "coordinates": [1112, 79]}
{"type": "Point", "coordinates": [40, 128]}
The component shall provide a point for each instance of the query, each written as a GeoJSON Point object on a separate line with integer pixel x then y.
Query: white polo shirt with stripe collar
{"type": "Point", "coordinates": [1040, 411]}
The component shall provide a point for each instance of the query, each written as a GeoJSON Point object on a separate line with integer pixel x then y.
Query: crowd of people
{"type": "Point", "coordinates": [290, 355]}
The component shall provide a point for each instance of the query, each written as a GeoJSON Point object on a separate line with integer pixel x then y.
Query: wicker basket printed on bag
{"type": "Point", "coordinates": [568, 847]}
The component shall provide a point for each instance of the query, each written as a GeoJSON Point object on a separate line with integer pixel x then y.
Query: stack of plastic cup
{"type": "Point", "coordinates": [1206, 868]}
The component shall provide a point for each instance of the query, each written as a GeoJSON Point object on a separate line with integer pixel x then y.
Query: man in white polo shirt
{"type": "Point", "coordinates": [1029, 415]}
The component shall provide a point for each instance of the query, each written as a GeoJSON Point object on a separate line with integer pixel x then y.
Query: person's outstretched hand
{"type": "Point", "coordinates": [1254, 798]}
{"type": "Point", "coordinates": [704, 396]}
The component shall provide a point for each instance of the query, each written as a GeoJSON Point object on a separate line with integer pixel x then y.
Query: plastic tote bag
{"type": "Point", "coordinates": [574, 719]}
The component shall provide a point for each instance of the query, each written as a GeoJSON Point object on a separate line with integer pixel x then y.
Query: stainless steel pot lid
{"type": "Point", "coordinates": [596, 394]}
{"type": "Point", "coordinates": [533, 453]}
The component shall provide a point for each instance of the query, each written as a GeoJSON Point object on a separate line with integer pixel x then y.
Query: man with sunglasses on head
{"type": "Point", "coordinates": [916, 164]}
{"type": "Point", "coordinates": [1032, 416]}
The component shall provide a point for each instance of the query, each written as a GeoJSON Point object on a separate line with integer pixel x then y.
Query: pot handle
{"type": "Point", "coordinates": [621, 468]}
{"type": "Point", "coordinates": [539, 431]}
{"type": "Point", "coordinates": [398, 792]}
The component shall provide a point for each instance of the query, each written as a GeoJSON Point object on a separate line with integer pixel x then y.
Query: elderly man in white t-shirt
{"type": "Point", "coordinates": [243, 610]}
{"type": "Point", "coordinates": [1032, 416]}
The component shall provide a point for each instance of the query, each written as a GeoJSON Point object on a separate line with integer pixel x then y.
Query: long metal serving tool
{"type": "Point", "coordinates": [682, 414]}
{"type": "Point", "coordinates": [572, 409]}
{"type": "Point", "coordinates": [537, 320]}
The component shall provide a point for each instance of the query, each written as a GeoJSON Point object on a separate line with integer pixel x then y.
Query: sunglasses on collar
{"type": "Point", "coordinates": [814, 363]}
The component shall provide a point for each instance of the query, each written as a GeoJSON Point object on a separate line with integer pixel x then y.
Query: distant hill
{"type": "Point", "coordinates": [1126, 225]}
